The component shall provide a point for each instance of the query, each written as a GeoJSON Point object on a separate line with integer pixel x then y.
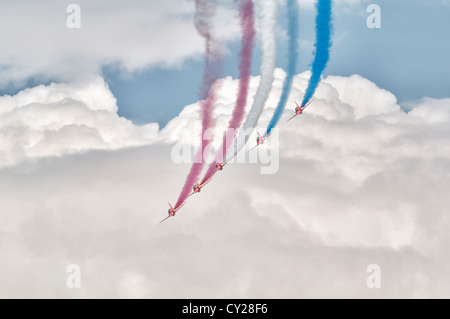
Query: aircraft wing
{"type": "Point", "coordinates": [204, 184]}
{"type": "Point", "coordinates": [177, 209]}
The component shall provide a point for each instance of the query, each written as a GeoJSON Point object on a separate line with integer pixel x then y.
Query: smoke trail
{"type": "Point", "coordinates": [292, 8]}
{"type": "Point", "coordinates": [323, 45]}
{"type": "Point", "coordinates": [269, 11]}
{"type": "Point", "coordinates": [248, 38]}
{"type": "Point", "coordinates": [204, 16]}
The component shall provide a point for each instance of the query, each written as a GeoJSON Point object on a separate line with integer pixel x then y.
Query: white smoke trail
{"type": "Point", "coordinates": [268, 23]}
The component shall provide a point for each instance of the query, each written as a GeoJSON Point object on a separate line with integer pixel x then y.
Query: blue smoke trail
{"type": "Point", "coordinates": [323, 45]}
{"type": "Point", "coordinates": [292, 9]}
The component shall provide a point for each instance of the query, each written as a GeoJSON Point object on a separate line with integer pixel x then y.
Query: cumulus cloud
{"type": "Point", "coordinates": [361, 182]}
{"type": "Point", "coordinates": [61, 119]}
{"type": "Point", "coordinates": [131, 35]}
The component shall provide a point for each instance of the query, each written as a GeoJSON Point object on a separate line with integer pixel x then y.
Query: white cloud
{"type": "Point", "coordinates": [361, 182]}
{"type": "Point", "coordinates": [134, 35]}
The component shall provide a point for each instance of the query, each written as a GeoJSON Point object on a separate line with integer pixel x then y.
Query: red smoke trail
{"type": "Point", "coordinates": [204, 16]}
{"type": "Point", "coordinates": [248, 39]}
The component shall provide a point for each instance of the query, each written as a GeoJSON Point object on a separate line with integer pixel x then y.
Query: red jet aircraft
{"type": "Point", "coordinates": [260, 140]}
{"type": "Point", "coordinates": [299, 109]}
{"type": "Point", "coordinates": [172, 212]}
{"type": "Point", "coordinates": [197, 188]}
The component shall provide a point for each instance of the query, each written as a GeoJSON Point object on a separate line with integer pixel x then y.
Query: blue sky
{"type": "Point", "coordinates": [359, 182]}
{"type": "Point", "coordinates": [407, 56]}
